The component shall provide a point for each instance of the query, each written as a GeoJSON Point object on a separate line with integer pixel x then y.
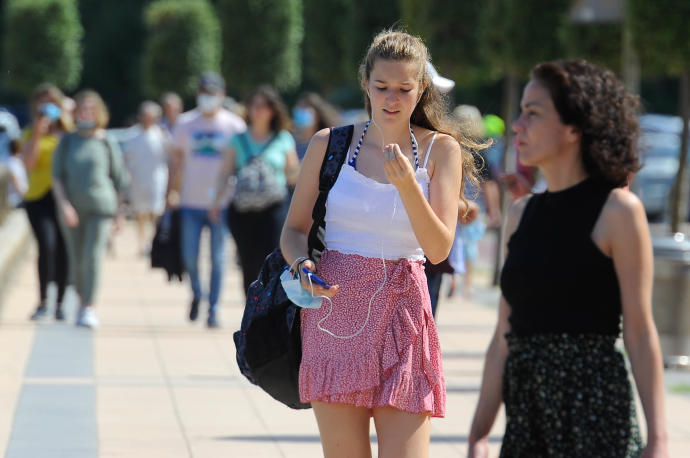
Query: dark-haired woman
{"type": "Point", "coordinates": [579, 257]}
{"type": "Point", "coordinates": [255, 221]}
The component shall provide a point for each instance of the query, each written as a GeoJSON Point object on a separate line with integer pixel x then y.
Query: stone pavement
{"type": "Point", "coordinates": [148, 383]}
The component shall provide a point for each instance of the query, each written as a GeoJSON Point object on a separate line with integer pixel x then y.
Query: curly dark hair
{"type": "Point", "coordinates": [281, 118]}
{"type": "Point", "coordinates": [593, 100]}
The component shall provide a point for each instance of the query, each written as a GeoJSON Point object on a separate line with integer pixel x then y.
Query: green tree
{"type": "Point", "coordinates": [662, 37]}
{"type": "Point", "coordinates": [454, 46]}
{"type": "Point", "coordinates": [113, 44]}
{"type": "Point", "coordinates": [516, 35]}
{"type": "Point", "coordinates": [599, 43]}
{"type": "Point", "coordinates": [42, 43]}
{"type": "Point", "coordinates": [262, 42]}
{"type": "Point", "coordinates": [329, 54]}
{"type": "Point", "coordinates": [183, 40]}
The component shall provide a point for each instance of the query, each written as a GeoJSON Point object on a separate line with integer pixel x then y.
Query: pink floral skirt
{"type": "Point", "coordinates": [395, 361]}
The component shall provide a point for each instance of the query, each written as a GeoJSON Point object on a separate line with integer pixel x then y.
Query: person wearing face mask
{"type": "Point", "coordinates": [146, 160]}
{"type": "Point", "coordinates": [199, 138]}
{"type": "Point", "coordinates": [372, 349]}
{"type": "Point", "coordinates": [88, 181]}
{"type": "Point", "coordinates": [256, 215]}
{"type": "Point", "coordinates": [311, 114]}
{"type": "Point", "coordinates": [37, 147]}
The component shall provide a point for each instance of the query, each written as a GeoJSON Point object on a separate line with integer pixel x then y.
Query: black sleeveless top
{"type": "Point", "coordinates": [555, 278]}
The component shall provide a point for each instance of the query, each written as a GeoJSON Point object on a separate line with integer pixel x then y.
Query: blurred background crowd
{"type": "Point", "coordinates": [144, 60]}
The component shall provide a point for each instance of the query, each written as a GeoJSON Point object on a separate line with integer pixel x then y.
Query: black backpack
{"type": "Point", "coordinates": [269, 343]}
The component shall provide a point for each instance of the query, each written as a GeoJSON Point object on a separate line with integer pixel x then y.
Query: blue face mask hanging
{"type": "Point", "coordinates": [299, 296]}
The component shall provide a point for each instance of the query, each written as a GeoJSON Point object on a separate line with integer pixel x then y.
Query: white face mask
{"type": "Point", "coordinates": [208, 103]}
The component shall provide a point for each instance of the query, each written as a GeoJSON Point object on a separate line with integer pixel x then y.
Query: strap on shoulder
{"type": "Point", "coordinates": [336, 151]}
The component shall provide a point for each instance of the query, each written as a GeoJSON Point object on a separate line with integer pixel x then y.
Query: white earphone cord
{"type": "Point", "coordinates": [385, 273]}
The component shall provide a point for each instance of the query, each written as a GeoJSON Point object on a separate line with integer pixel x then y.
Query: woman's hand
{"type": "Point", "coordinates": [214, 214]}
{"type": "Point", "coordinates": [118, 222]}
{"type": "Point", "coordinates": [471, 215]}
{"type": "Point", "coordinates": [479, 449]}
{"type": "Point", "coordinates": [317, 290]}
{"type": "Point", "coordinates": [399, 171]}
{"type": "Point", "coordinates": [655, 450]}
{"type": "Point", "coordinates": [69, 214]}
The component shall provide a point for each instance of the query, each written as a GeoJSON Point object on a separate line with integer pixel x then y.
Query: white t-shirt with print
{"type": "Point", "coordinates": [202, 141]}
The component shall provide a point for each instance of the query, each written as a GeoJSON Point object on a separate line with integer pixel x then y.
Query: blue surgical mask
{"type": "Point", "coordinates": [303, 117]}
{"type": "Point", "coordinates": [50, 110]}
{"type": "Point", "coordinates": [298, 295]}
{"type": "Point", "coordinates": [86, 125]}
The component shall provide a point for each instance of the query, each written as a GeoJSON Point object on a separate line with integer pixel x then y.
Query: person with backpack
{"type": "Point", "coordinates": [371, 348]}
{"type": "Point", "coordinates": [88, 180]}
{"type": "Point", "coordinates": [264, 160]}
{"type": "Point", "coordinates": [199, 138]}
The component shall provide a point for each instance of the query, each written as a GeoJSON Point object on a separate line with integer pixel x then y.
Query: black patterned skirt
{"type": "Point", "coordinates": [568, 395]}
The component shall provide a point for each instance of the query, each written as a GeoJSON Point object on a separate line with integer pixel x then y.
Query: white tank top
{"type": "Point", "coordinates": [368, 218]}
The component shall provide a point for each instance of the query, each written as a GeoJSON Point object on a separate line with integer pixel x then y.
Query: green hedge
{"type": "Point", "coordinates": [42, 43]}
{"type": "Point", "coordinates": [262, 42]}
{"type": "Point", "coordinates": [183, 40]}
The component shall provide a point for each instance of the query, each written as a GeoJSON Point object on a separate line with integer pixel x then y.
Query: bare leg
{"type": "Point", "coordinates": [401, 434]}
{"type": "Point", "coordinates": [344, 430]}
{"type": "Point", "coordinates": [141, 230]}
{"type": "Point", "coordinates": [467, 284]}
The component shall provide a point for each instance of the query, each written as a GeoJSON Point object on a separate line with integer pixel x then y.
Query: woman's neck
{"type": "Point", "coordinates": [386, 133]}
{"type": "Point", "coordinates": [259, 133]}
{"type": "Point", "coordinates": [564, 173]}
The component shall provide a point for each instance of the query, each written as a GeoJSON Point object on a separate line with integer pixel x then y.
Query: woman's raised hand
{"type": "Point", "coordinates": [399, 171]}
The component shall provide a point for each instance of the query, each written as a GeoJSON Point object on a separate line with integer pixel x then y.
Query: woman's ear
{"type": "Point", "coordinates": [573, 134]}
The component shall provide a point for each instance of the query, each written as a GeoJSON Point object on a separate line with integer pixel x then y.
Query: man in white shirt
{"type": "Point", "coordinates": [200, 136]}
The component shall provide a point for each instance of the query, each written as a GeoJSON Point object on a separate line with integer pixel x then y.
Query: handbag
{"type": "Point", "coordinates": [257, 186]}
{"type": "Point", "coordinates": [269, 342]}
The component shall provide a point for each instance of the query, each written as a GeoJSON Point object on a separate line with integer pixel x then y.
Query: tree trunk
{"type": "Point", "coordinates": [679, 194]}
{"type": "Point", "coordinates": [511, 103]}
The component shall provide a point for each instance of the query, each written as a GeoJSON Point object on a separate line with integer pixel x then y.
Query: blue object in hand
{"type": "Point", "coordinates": [315, 278]}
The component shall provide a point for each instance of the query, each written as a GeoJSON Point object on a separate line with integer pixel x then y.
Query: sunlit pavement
{"type": "Point", "coordinates": [149, 383]}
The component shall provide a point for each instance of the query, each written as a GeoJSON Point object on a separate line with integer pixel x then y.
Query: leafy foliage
{"type": "Point", "coordinates": [42, 43]}
{"type": "Point", "coordinates": [263, 41]}
{"type": "Point", "coordinates": [183, 40]}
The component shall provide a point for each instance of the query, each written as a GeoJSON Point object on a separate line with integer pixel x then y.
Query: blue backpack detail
{"type": "Point", "coordinates": [269, 343]}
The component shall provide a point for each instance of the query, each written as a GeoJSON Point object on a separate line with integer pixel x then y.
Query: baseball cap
{"type": "Point", "coordinates": [441, 83]}
{"type": "Point", "coordinates": [211, 82]}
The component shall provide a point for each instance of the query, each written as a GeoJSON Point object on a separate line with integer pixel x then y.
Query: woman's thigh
{"type": "Point", "coordinates": [344, 430]}
{"type": "Point", "coordinates": [401, 434]}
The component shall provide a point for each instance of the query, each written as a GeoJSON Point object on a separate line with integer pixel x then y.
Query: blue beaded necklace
{"type": "Point", "coordinates": [353, 162]}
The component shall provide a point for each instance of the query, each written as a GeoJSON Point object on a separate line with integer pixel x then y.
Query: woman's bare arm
{"type": "Point", "coordinates": [631, 250]}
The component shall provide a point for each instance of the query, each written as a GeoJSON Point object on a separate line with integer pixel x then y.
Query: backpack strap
{"type": "Point", "coordinates": [336, 152]}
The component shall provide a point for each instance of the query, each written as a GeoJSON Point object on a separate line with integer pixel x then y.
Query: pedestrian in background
{"type": "Point", "coordinates": [146, 158]}
{"type": "Point", "coordinates": [199, 138]}
{"type": "Point", "coordinates": [49, 122]}
{"type": "Point", "coordinates": [256, 214]}
{"type": "Point", "coordinates": [311, 114]}
{"type": "Point", "coordinates": [579, 257]}
{"type": "Point", "coordinates": [88, 181]}
{"type": "Point", "coordinates": [19, 181]}
{"type": "Point", "coordinates": [172, 108]}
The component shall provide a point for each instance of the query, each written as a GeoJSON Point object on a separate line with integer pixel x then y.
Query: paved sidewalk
{"type": "Point", "coordinates": [150, 384]}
